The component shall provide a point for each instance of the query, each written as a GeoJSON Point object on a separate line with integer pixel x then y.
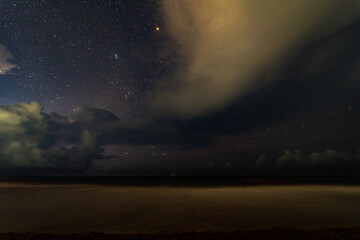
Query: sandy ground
{"type": "Point", "coordinates": [119, 209]}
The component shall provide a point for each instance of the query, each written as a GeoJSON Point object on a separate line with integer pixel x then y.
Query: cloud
{"type": "Point", "coordinates": [261, 162]}
{"type": "Point", "coordinates": [111, 129]}
{"type": "Point", "coordinates": [24, 131]}
{"type": "Point", "coordinates": [92, 115]}
{"type": "Point", "coordinates": [328, 158]}
{"type": "Point", "coordinates": [80, 156]}
{"type": "Point", "coordinates": [5, 56]}
{"type": "Point", "coordinates": [33, 141]}
{"type": "Point", "coordinates": [28, 140]}
{"type": "Point", "coordinates": [224, 48]}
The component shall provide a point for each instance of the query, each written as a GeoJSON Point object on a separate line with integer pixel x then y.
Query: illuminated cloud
{"type": "Point", "coordinates": [5, 56]}
{"type": "Point", "coordinates": [27, 140]}
{"type": "Point", "coordinates": [223, 49]}
{"type": "Point", "coordinates": [23, 131]}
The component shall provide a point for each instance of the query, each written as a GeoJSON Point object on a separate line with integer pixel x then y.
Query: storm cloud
{"type": "Point", "coordinates": [5, 64]}
{"type": "Point", "coordinates": [33, 139]}
{"type": "Point", "coordinates": [227, 49]}
{"type": "Point", "coordinates": [28, 140]}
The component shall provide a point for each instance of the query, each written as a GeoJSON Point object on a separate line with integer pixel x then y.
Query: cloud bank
{"type": "Point", "coordinates": [223, 49]}
{"type": "Point", "coordinates": [33, 141]}
{"type": "Point", "coordinates": [318, 159]}
{"type": "Point", "coordinates": [5, 56]}
{"type": "Point", "coordinates": [28, 137]}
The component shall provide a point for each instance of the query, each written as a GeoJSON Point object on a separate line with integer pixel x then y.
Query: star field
{"type": "Point", "coordinates": [72, 53]}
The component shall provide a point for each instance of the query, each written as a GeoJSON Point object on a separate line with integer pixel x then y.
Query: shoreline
{"type": "Point", "coordinates": [259, 234]}
{"type": "Point", "coordinates": [189, 181]}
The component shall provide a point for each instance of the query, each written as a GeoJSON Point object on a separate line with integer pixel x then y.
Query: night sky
{"type": "Point", "coordinates": [99, 54]}
{"type": "Point", "coordinates": [180, 87]}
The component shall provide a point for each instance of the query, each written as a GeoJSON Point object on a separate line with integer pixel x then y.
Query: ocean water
{"type": "Point", "coordinates": [90, 207]}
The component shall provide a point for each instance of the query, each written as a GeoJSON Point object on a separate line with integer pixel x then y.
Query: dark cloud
{"type": "Point", "coordinates": [111, 129]}
{"type": "Point", "coordinates": [261, 162]}
{"type": "Point", "coordinates": [329, 162]}
{"type": "Point", "coordinates": [327, 158]}
{"type": "Point", "coordinates": [33, 140]}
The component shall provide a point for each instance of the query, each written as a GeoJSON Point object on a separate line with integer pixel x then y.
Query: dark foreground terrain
{"type": "Point", "coordinates": [268, 234]}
